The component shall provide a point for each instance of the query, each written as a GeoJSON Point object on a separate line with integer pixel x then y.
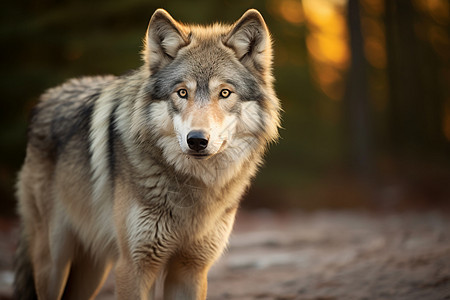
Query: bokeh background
{"type": "Point", "coordinates": [365, 87]}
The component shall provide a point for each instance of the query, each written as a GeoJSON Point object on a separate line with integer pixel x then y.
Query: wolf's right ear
{"type": "Point", "coordinates": [164, 38]}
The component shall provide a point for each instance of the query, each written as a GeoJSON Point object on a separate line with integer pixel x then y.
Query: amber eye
{"type": "Point", "coordinates": [225, 93]}
{"type": "Point", "coordinates": [182, 93]}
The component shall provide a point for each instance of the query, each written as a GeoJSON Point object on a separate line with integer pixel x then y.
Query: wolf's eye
{"type": "Point", "coordinates": [182, 93]}
{"type": "Point", "coordinates": [225, 93]}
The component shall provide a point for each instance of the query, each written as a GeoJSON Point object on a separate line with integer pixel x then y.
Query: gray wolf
{"type": "Point", "coordinates": [144, 172]}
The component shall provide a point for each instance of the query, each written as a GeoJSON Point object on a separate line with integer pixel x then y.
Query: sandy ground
{"type": "Point", "coordinates": [326, 255]}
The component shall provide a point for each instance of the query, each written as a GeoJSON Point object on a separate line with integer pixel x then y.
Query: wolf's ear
{"type": "Point", "coordinates": [250, 40]}
{"type": "Point", "coordinates": [164, 38]}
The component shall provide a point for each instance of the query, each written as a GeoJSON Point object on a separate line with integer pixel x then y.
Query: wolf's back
{"type": "Point", "coordinates": [64, 112]}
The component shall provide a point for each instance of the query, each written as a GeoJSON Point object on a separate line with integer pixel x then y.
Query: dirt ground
{"type": "Point", "coordinates": [322, 255]}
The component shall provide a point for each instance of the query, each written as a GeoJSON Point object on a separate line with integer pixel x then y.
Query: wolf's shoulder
{"type": "Point", "coordinates": [64, 112]}
{"type": "Point", "coordinates": [67, 99]}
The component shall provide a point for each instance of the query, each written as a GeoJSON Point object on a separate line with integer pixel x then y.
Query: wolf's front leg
{"type": "Point", "coordinates": [186, 279]}
{"type": "Point", "coordinates": [187, 270]}
{"type": "Point", "coordinates": [135, 272]}
{"type": "Point", "coordinates": [133, 281]}
{"type": "Point", "coordinates": [144, 248]}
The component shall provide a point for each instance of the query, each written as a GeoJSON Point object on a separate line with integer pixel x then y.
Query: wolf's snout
{"type": "Point", "coordinates": [197, 140]}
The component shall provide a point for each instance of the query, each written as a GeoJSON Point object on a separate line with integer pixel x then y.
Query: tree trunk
{"type": "Point", "coordinates": [357, 108]}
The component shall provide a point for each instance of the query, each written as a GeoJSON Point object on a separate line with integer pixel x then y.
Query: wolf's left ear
{"type": "Point", "coordinates": [164, 38]}
{"type": "Point", "coordinates": [250, 39]}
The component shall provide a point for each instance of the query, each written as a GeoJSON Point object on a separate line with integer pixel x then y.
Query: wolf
{"type": "Point", "coordinates": [144, 172]}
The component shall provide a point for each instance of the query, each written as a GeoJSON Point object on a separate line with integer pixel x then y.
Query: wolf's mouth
{"type": "Point", "coordinates": [200, 156]}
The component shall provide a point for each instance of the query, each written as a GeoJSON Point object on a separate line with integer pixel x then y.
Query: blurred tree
{"type": "Point", "coordinates": [416, 91]}
{"type": "Point", "coordinates": [357, 108]}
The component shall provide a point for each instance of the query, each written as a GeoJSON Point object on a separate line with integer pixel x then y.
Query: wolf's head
{"type": "Point", "coordinates": [212, 100]}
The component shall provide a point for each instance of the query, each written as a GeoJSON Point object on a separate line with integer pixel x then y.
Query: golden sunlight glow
{"type": "Point", "coordinates": [373, 7]}
{"type": "Point", "coordinates": [439, 10]}
{"type": "Point", "coordinates": [329, 79]}
{"type": "Point", "coordinates": [328, 75]}
{"type": "Point", "coordinates": [291, 11]}
{"type": "Point", "coordinates": [374, 42]}
{"type": "Point", "coordinates": [327, 43]}
{"type": "Point", "coordinates": [433, 29]}
{"type": "Point", "coordinates": [328, 31]}
{"type": "Point", "coordinates": [375, 52]}
{"type": "Point", "coordinates": [318, 11]}
{"type": "Point", "coordinates": [328, 48]}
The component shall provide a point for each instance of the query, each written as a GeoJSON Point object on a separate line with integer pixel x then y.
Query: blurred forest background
{"type": "Point", "coordinates": [365, 87]}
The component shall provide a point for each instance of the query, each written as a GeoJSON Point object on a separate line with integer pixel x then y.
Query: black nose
{"type": "Point", "coordinates": [197, 140]}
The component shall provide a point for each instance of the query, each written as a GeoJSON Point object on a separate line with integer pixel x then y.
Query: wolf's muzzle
{"type": "Point", "coordinates": [197, 140]}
